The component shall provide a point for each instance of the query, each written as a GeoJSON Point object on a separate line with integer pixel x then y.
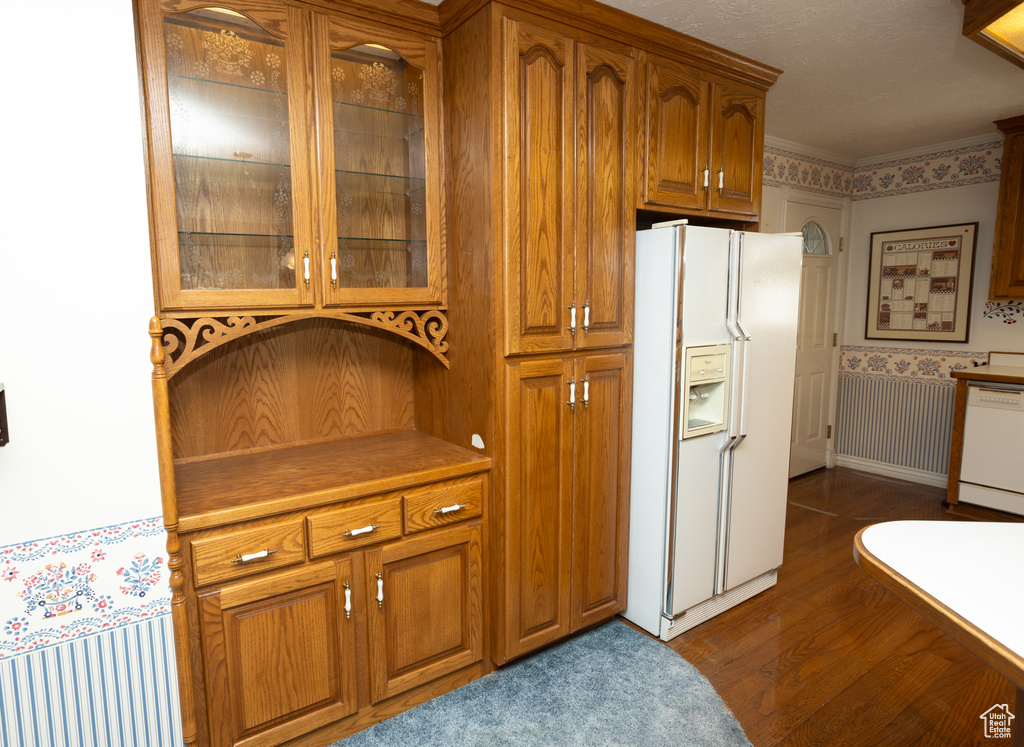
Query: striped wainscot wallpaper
{"type": "Point", "coordinates": [86, 648]}
{"type": "Point", "coordinates": [895, 408]}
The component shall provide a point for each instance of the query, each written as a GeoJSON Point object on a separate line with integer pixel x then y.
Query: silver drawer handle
{"type": "Point", "coordinates": [449, 509]}
{"type": "Point", "coordinates": [364, 530]}
{"type": "Point", "coordinates": [265, 552]}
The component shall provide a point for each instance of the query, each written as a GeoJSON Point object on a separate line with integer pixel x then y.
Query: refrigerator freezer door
{"type": "Point", "coordinates": [696, 536]}
{"type": "Point", "coordinates": [769, 308]}
{"type": "Point", "coordinates": [654, 353]}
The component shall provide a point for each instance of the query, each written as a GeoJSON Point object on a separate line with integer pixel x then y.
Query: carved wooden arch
{"type": "Point", "coordinates": [679, 90]}
{"type": "Point", "coordinates": [737, 108]}
{"type": "Point", "coordinates": [181, 341]}
{"type": "Point", "coordinates": [604, 70]}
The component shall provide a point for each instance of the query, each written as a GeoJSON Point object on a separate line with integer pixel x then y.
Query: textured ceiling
{"type": "Point", "coordinates": [861, 78]}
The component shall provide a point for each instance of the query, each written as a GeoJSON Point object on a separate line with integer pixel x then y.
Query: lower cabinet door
{"type": "Point", "coordinates": [279, 655]}
{"type": "Point", "coordinates": [424, 609]}
{"type": "Point", "coordinates": [600, 511]}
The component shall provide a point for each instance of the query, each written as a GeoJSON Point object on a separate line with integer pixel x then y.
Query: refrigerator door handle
{"type": "Point", "coordinates": [724, 509]}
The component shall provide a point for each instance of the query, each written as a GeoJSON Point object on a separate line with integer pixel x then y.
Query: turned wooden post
{"type": "Point", "coordinates": [165, 456]}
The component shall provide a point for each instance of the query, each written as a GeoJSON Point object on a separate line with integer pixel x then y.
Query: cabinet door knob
{"type": "Point", "coordinates": [706, 177]}
{"type": "Point", "coordinates": [348, 600]}
{"type": "Point", "coordinates": [334, 271]}
{"type": "Point", "coordinates": [380, 590]}
{"type": "Point", "coordinates": [572, 394]}
{"type": "Point", "coordinates": [586, 315]}
{"type": "Point", "coordinates": [721, 180]}
{"type": "Point", "coordinates": [572, 317]}
{"type": "Point", "coordinates": [586, 390]}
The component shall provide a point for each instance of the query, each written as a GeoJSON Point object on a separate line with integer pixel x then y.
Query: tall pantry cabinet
{"type": "Point", "coordinates": [544, 177]}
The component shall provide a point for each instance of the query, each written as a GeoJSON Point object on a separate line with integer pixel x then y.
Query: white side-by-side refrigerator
{"type": "Point", "coordinates": [714, 360]}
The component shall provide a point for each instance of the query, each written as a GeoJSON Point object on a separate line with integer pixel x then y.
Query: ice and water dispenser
{"type": "Point", "coordinates": [706, 387]}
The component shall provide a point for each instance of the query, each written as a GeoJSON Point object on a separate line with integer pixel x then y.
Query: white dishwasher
{"type": "Point", "coordinates": [992, 469]}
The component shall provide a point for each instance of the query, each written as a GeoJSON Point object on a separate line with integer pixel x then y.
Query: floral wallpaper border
{"type": "Point", "coordinates": [906, 364]}
{"type": "Point", "coordinates": [71, 586]}
{"type": "Point", "coordinates": [1004, 311]}
{"type": "Point", "coordinates": [787, 169]}
{"type": "Point", "coordinates": [955, 167]}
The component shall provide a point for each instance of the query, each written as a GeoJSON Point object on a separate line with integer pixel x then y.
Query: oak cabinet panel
{"type": "Point", "coordinates": [569, 175]}
{"type": "Point", "coordinates": [607, 155]}
{"type": "Point", "coordinates": [704, 142]}
{"type": "Point", "coordinates": [676, 110]}
{"type": "Point", "coordinates": [226, 556]}
{"type": "Point", "coordinates": [539, 105]}
{"type": "Point", "coordinates": [425, 609]}
{"type": "Point", "coordinates": [1008, 252]}
{"type": "Point", "coordinates": [567, 497]}
{"type": "Point", "coordinates": [737, 149]}
{"type": "Point", "coordinates": [600, 513]}
{"type": "Point", "coordinates": [279, 656]}
{"type": "Point", "coordinates": [538, 506]}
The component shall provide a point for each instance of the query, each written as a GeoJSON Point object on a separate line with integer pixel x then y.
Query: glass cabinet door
{"type": "Point", "coordinates": [239, 236]}
{"type": "Point", "coordinates": [382, 190]}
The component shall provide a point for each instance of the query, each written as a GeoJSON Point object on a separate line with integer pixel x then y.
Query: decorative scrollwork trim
{"type": "Point", "coordinates": [184, 340]}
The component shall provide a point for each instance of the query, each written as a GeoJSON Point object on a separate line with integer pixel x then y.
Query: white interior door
{"type": "Point", "coordinates": [812, 395]}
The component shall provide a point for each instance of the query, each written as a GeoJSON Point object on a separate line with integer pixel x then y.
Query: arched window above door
{"type": "Point", "coordinates": [815, 240]}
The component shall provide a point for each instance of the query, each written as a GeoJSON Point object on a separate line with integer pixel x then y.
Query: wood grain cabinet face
{"type": "Point", "coordinates": [279, 655]}
{"type": "Point", "coordinates": [223, 556]}
{"type": "Point", "coordinates": [425, 616]}
{"type": "Point", "coordinates": [253, 207]}
{"type": "Point", "coordinates": [567, 496]}
{"type": "Point", "coordinates": [380, 180]}
{"type": "Point", "coordinates": [224, 88]}
{"type": "Point", "coordinates": [1008, 253]}
{"type": "Point", "coordinates": [704, 142]}
{"type": "Point", "coordinates": [569, 183]}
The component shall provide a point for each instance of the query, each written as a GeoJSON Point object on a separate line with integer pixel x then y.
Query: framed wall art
{"type": "Point", "coordinates": [919, 284]}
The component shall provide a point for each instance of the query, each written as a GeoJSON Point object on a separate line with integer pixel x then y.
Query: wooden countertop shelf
{"type": "Point", "coordinates": [1003, 374]}
{"type": "Point", "coordinates": [237, 487]}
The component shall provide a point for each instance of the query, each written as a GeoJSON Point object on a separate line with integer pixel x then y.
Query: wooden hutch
{"type": "Point", "coordinates": [393, 269]}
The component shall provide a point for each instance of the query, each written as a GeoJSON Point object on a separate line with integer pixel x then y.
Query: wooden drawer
{"type": "Point", "coordinates": [327, 532]}
{"type": "Point", "coordinates": [424, 508]}
{"type": "Point", "coordinates": [247, 551]}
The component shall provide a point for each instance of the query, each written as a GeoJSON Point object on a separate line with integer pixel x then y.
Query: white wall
{"type": "Point", "coordinates": [940, 207]}
{"type": "Point", "coordinates": [75, 287]}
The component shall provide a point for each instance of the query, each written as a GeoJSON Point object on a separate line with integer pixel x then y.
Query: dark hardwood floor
{"type": "Point", "coordinates": [830, 657]}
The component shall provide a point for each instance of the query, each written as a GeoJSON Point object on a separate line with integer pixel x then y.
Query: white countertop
{"type": "Point", "coordinates": [973, 568]}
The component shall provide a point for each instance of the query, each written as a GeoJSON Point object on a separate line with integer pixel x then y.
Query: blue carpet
{"type": "Point", "coordinates": [609, 686]}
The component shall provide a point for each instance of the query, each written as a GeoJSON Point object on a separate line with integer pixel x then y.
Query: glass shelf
{"type": "Point", "coordinates": [356, 181]}
{"type": "Point", "coordinates": [226, 84]}
{"type": "Point", "coordinates": [234, 261]}
{"type": "Point", "coordinates": [368, 120]}
{"type": "Point", "coordinates": [266, 236]}
{"type": "Point", "coordinates": [364, 243]}
{"type": "Point", "coordinates": [220, 165]}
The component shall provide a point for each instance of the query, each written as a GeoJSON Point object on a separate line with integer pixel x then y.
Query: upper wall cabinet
{"type": "Point", "coordinates": [704, 143]}
{"type": "Point", "coordinates": [248, 211]}
{"type": "Point", "coordinates": [1008, 252]}
{"type": "Point", "coordinates": [569, 174]}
